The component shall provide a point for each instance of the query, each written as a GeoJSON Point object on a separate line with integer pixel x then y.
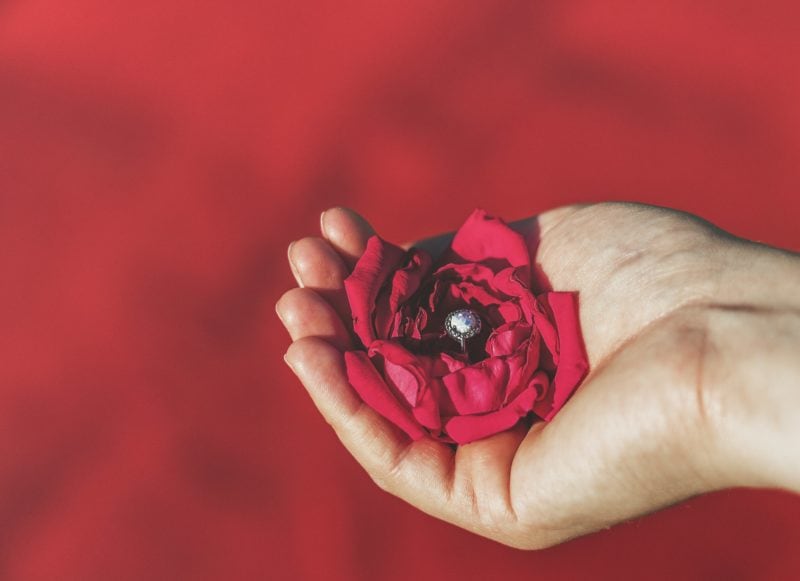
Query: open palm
{"type": "Point", "coordinates": [638, 434]}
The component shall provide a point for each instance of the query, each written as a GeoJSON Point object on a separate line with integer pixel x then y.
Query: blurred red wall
{"type": "Point", "coordinates": [156, 158]}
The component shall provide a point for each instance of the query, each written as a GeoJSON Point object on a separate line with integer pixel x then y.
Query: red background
{"type": "Point", "coordinates": [156, 158]}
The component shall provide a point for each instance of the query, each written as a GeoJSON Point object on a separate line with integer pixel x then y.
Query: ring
{"type": "Point", "coordinates": [462, 325]}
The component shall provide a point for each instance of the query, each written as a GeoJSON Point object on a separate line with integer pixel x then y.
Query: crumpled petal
{"type": "Point", "coordinates": [572, 363]}
{"type": "Point", "coordinates": [440, 364]}
{"type": "Point", "coordinates": [506, 339]}
{"type": "Point", "coordinates": [466, 429]}
{"type": "Point", "coordinates": [379, 261]}
{"type": "Point", "coordinates": [477, 273]}
{"type": "Point", "coordinates": [478, 388]}
{"type": "Point", "coordinates": [541, 383]}
{"type": "Point", "coordinates": [489, 241]}
{"type": "Point", "coordinates": [401, 369]}
{"type": "Point", "coordinates": [543, 321]}
{"type": "Point", "coordinates": [508, 312]}
{"type": "Point", "coordinates": [404, 283]}
{"type": "Point", "coordinates": [427, 411]}
{"type": "Point", "coordinates": [368, 383]}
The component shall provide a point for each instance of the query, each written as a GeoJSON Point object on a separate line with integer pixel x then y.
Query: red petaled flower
{"type": "Point", "coordinates": [527, 357]}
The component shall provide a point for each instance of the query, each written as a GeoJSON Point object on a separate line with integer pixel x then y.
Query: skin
{"type": "Point", "coordinates": [692, 336]}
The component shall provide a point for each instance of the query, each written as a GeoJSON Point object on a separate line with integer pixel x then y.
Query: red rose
{"type": "Point", "coordinates": [527, 358]}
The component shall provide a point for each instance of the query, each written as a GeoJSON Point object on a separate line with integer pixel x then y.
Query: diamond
{"type": "Point", "coordinates": [461, 325]}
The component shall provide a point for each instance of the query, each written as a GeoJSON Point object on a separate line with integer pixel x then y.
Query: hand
{"type": "Point", "coordinates": [692, 337]}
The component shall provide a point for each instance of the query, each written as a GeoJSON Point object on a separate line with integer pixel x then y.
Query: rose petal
{"type": "Point", "coordinates": [542, 318]}
{"type": "Point", "coordinates": [506, 339]}
{"type": "Point", "coordinates": [466, 429]}
{"type": "Point", "coordinates": [488, 240]}
{"type": "Point", "coordinates": [440, 364]}
{"type": "Point", "coordinates": [511, 281]}
{"type": "Point", "coordinates": [427, 410]}
{"type": "Point", "coordinates": [571, 357]}
{"type": "Point", "coordinates": [473, 295]}
{"type": "Point", "coordinates": [479, 388]}
{"type": "Point", "coordinates": [467, 271]}
{"type": "Point", "coordinates": [401, 369]}
{"type": "Point", "coordinates": [375, 266]}
{"type": "Point", "coordinates": [368, 383]}
{"type": "Point", "coordinates": [541, 383]}
{"type": "Point", "coordinates": [405, 282]}
{"type": "Point", "coordinates": [508, 312]}
{"type": "Point", "coordinates": [522, 366]}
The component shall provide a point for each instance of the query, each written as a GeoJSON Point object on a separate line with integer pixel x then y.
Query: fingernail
{"type": "Point", "coordinates": [278, 312]}
{"type": "Point", "coordinates": [286, 361]}
{"type": "Point", "coordinates": [292, 266]}
{"type": "Point", "coordinates": [322, 222]}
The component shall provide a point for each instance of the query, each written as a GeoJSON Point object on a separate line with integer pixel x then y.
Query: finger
{"type": "Point", "coordinates": [347, 232]}
{"type": "Point", "coordinates": [317, 266]}
{"type": "Point", "coordinates": [305, 313]}
{"type": "Point", "coordinates": [419, 472]}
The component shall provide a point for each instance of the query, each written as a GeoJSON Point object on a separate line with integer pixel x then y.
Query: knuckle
{"type": "Point", "coordinates": [381, 481]}
{"type": "Point", "coordinates": [296, 353]}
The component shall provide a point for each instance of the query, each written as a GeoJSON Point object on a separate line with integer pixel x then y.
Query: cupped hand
{"type": "Point", "coordinates": [667, 304]}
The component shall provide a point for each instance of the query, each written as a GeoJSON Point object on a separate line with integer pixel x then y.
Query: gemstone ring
{"type": "Point", "coordinates": [461, 325]}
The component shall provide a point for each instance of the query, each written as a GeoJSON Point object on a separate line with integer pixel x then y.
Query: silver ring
{"type": "Point", "coordinates": [461, 325]}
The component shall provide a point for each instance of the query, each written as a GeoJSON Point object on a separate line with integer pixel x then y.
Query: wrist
{"type": "Point", "coordinates": [754, 377]}
{"type": "Point", "coordinates": [759, 276]}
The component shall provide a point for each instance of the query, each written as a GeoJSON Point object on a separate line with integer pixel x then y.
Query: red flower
{"type": "Point", "coordinates": [527, 358]}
